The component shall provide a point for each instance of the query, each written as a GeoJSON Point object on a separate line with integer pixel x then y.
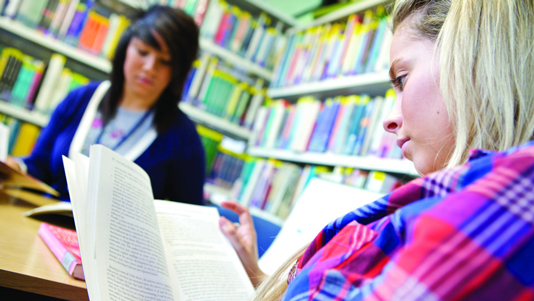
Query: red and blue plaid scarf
{"type": "Point", "coordinates": [465, 233]}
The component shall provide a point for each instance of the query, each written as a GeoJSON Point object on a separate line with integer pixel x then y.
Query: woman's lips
{"type": "Point", "coordinates": [144, 80]}
{"type": "Point", "coordinates": [403, 143]}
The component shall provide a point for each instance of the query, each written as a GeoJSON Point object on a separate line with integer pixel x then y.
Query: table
{"type": "Point", "coordinates": [26, 263]}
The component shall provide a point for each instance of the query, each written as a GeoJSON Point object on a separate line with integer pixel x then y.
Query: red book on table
{"type": "Point", "coordinates": [64, 245]}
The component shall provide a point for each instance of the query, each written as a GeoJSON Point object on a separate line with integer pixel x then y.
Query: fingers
{"type": "Point", "coordinates": [234, 206]}
{"type": "Point", "coordinates": [230, 231]}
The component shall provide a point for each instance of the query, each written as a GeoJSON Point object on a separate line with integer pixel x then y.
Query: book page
{"type": "Point", "coordinates": [202, 261]}
{"type": "Point", "coordinates": [320, 203]}
{"type": "Point", "coordinates": [128, 250]}
{"type": "Point", "coordinates": [4, 141]}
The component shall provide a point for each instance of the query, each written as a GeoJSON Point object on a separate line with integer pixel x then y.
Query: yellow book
{"type": "Point", "coordinates": [234, 99]}
{"type": "Point", "coordinates": [4, 57]}
{"type": "Point", "coordinates": [25, 140]}
{"type": "Point", "coordinates": [114, 36]}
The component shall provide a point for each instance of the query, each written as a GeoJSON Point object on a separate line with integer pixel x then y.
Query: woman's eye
{"type": "Point", "coordinates": [142, 52]}
{"type": "Point", "coordinates": [398, 82]}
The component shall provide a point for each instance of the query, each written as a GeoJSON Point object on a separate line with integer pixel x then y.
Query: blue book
{"type": "Point", "coordinates": [324, 127]}
{"type": "Point", "coordinates": [354, 127]}
{"type": "Point", "coordinates": [377, 45]}
{"type": "Point", "coordinates": [364, 126]}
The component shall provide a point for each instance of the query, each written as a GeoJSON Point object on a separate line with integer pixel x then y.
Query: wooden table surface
{"type": "Point", "coordinates": [26, 263]}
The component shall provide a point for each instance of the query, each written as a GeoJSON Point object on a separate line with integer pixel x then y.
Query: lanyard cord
{"type": "Point", "coordinates": [125, 137]}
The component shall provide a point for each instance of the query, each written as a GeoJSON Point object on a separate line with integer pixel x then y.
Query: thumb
{"type": "Point", "coordinates": [230, 231]}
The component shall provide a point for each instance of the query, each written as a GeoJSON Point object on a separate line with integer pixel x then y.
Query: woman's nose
{"type": "Point", "coordinates": [393, 121]}
{"type": "Point", "coordinates": [150, 63]}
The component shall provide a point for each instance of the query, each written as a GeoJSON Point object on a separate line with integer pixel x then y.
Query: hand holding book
{"type": "Point", "coordinates": [135, 247]}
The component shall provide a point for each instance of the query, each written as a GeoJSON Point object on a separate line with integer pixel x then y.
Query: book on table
{"type": "Point", "coordinates": [135, 247]}
{"type": "Point", "coordinates": [63, 243]}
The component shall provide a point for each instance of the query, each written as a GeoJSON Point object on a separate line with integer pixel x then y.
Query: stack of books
{"type": "Point", "coordinates": [361, 45]}
{"type": "Point", "coordinates": [344, 125]}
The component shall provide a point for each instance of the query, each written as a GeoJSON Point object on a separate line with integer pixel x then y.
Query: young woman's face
{"type": "Point", "coordinates": [147, 70]}
{"type": "Point", "coordinates": [419, 117]}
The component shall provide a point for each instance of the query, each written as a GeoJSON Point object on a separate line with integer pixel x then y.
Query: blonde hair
{"type": "Point", "coordinates": [486, 78]}
{"type": "Point", "coordinates": [486, 68]}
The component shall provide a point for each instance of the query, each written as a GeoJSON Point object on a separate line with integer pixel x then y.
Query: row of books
{"type": "Point", "coordinates": [359, 46]}
{"type": "Point", "coordinates": [81, 23]}
{"type": "Point", "coordinates": [226, 168]}
{"type": "Point", "coordinates": [374, 181]}
{"type": "Point", "coordinates": [195, 8]}
{"type": "Point", "coordinates": [236, 30]}
{"type": "Point", "coordinates": [346, 125]}
{"type": "Point", "coordinates": [22, 136]}
{"type": "Point", "coordinates": [30, 83]}
{"type": "Point", "coordinates": [274, 186]}
{"type": "Point", "coordinates": [223, 92]}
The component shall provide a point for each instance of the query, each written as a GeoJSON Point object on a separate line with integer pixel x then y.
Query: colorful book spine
{"type": "Point", "coordinates": [334, 49]}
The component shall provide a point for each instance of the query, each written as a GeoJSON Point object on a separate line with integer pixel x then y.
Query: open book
{"type": "Point", "coordinates": [136, 248]}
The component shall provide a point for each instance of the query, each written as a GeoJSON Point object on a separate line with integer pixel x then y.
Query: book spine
{"type": "Point", "coordinates": [60, 251]}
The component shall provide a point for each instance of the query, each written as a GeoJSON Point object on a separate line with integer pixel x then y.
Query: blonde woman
{"type": "Point", "coordinates": [463, 71]}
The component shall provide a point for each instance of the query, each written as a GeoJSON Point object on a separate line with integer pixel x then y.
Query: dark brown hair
{"type": "Point", "coordinates": [180, 33]}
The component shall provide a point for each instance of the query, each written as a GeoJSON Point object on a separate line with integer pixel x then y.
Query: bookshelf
{"type": "Point", "coordinates": [56, 45]}
{"type": "Point", "coordinates": [357, 7]}
{"type": "Point", "coordinates": [104, 65]}
{"type": "Point", "coordinates": [217, 195]}
{"type": "Point", "coordinates": [256, 7]}
{"type": "Point", "coordinates": [220, 124]}
{"type": "Point", "coordinates": [235, 60]}
{"type": "Point", "coordinates": [23, 114]}
{"type": "Point", "coordinates": [373, 84]}
{"type": "Point", "coordinates": [367, 162]}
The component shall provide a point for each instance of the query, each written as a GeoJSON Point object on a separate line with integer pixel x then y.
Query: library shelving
{"type": "Point", "coordinates": [220, 124]}
{"type": "Point", "coordinates": [56, 45]}
{"type": "Point", "coordinates": [234, 59]}
{"type": "Point", "coordinates": [257, 7]}
{"type": "Point", "coordinates": [23, 114]}
{"type": "Point", "coordinates": [218, 195]}
{"type": "Point", "coordinates": [373, 84]}
{"type": "Point", "coordinates": [367, 162]}
{"type": "Point", "coordinates": [104, 65]}
{"type": "Point", "coordinates": [357, 7]}
{"type": "Point", "coordinates": [373, 81]}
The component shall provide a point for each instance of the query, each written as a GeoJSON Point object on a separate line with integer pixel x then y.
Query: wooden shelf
{"type": "Point", "coordinates": [56, 45]}
{"type": "Point", "coordinates": [23, 114]}
{"type": "Point", "coordinates": [213, 121]}
{"type": "Point", "coordinates": [367, 163]}
{"type": "Point", "coordinates": [235, 59]}
{"type": "Point", "coordinates": [373, 84]}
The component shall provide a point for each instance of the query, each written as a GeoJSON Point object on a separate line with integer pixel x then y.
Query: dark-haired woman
{"type": "Point", "coordinates": [136, 112]}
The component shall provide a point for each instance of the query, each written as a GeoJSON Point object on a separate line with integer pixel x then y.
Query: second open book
{"type": "Point", "coordinates": [135, 248]}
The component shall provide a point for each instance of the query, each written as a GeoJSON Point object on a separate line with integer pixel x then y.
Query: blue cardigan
{"type": "Point", "coordinates": [174, 161]}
